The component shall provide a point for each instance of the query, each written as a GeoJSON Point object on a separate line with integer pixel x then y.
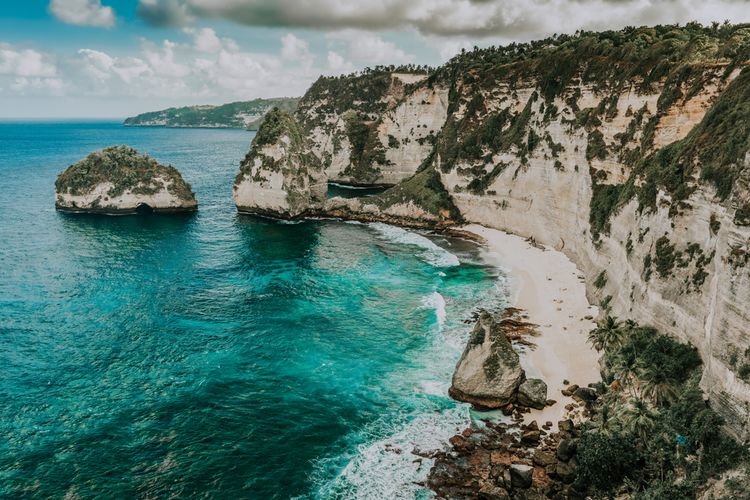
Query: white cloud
{"type": "Point", "coordinates": [83, 12]}
{"type": "Point", "coordinates": [25, 62]}
{"type": "Point", "coordinates": [205, 40]}
{"type": "Point", "coordinates": [368, 48]}
{"type": "Point", "coordinates": [337, 63]}
{"type": "Point", "coordinates": [162, 61]}
{"type": "Point", "coordinates": [294, 48]}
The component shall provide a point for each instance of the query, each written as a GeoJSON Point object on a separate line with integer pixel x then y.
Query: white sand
{"type": "Point", "coordinates": [548, 286]}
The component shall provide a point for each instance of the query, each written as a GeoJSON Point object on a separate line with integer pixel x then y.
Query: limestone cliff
{"type": "Point", "coordinates": [279, 176]}
{"type": "Point", "coordinates": [629, 151]}
{"type": "Point", "coordinates": [119, 180]}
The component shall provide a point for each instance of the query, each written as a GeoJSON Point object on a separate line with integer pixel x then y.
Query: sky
{"type": "Point", "coordinates": [118, 58]}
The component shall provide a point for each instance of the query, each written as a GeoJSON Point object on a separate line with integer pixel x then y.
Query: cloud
{"type": "Point", "coordinates": [83, 13]}
{"type": "Point", "coordinates": [368, 48]}
{"type": "Point", "coordinates": [205, 40]}
{"type": "Point", "coordinates": [294, 48]}
{"type": "Point", "coordinates": [25, 63]}
{"type": "Point", "coordinates": [475, 18]}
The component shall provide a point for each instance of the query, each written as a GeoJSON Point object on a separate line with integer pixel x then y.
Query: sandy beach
{"type": "Point", "coordinates": [549, 288]}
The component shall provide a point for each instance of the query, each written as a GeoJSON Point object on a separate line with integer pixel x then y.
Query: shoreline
{"type": "Point", "coordinates": [548, 287]}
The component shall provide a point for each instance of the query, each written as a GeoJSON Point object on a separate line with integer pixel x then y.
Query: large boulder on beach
{"type": "Point", "coordinates": [119, 180]}
{"type": "Point", "coordinates": [533, 393]}
{"type": "Point", "coordinates": [280, 176]}
{"type": "Point", "coordinates": [489, 371]}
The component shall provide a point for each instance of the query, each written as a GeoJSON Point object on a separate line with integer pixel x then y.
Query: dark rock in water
{"type": "Point", "coordinates": [533, 393]}
{"type": "Point", "coordinates": [521, 476]}
{"type": "Point", "coordinates": [585, 394]}
{"type": "Point", "coordinates": [489, 371]}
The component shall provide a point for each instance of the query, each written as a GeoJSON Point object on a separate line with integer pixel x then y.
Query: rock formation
{"type": "Point", "coordinates": [489, 371]}
{"type": "Point", "coordinates": [279, 177]}
{"type": "Point", "coordinates": [119, 180]}
{"type": "Point", "coordinates": [626, 150]}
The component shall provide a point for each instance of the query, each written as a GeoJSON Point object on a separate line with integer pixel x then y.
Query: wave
{"type": "Point", "coordinates": [389, 467]}
{"type": "Point", "coordinates": [437, 302]}
{"type": "Point", "coordinates": [431, 253]}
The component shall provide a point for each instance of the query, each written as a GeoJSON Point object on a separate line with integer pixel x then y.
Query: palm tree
{"type": "Point", "coordinates": [658, 387]}
{"type": "Point", "coordinates": [606, 422]}
{"type": "Point", "coordinates": [626, 366]}
{"type": "Point", "coordinates": [638, 418]}
{"type": "Point", "coordinates": [607, 334]}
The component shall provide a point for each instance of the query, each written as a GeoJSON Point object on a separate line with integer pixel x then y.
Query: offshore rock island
{"type": "Point", "coordinates": [119, 181]}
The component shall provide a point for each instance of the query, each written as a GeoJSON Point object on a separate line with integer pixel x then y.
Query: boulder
{"type": "Point", "coordinates": [585, 394]}
{"type": "Point", "coordinates": [521, 476]}
{"type": "Point", "coordinates": [489, 371]}
{"type": "Point", "coordinates": [533, 393]}
{"type": "Point", "coordinates": [566, 449]}
{"type": "Point", "coordinates": [118, 180]}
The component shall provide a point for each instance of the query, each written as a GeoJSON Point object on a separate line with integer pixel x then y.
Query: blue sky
{"type": "Point", "coordinates": [114, 58]}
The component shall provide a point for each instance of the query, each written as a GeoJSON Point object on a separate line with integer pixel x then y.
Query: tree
{"type": "Point", "coordinates": [657, 386]}
{"type": "Point", "coordinates": [637, 418]}
{"type": "Point", "coordinates": [607, 334]}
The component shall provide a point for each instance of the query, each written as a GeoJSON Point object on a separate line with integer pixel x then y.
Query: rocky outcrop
{"type": "Point", "coordinates": [489, 371]}
{"type": "Point", "coordinates": [118, 180]}
{"type": "Point", "coordinates": [279, 177]}
{"type": "Point", "coordinates": [373, 128]}
{"type": "Point", "coordinates": [627, 151]}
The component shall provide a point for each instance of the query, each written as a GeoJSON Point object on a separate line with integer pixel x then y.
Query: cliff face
{"type": "Point", "coordinates": [118, 180]}
{"type": "Point", "coordinates": [373, 129]}
{"type": "Point", "coordinates": [628, 151]}
{"type": "Point", "coordinates": [279, 176]}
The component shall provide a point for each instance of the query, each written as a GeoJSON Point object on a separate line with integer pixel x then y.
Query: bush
{"type": "Point", "coordinates": [606, 460]}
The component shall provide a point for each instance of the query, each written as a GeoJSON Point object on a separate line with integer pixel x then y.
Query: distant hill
{"type": "Point", "coordinates": [241, 114]}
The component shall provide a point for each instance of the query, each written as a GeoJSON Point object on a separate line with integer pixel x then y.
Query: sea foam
{"type": "Point", "coordinates": [431, 253]}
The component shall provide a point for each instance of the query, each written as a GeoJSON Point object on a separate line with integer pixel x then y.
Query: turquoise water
{"type": "Point", "coordinates": [216, 355]}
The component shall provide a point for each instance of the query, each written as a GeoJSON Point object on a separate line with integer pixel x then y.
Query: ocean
{"type": "Point", "coordinates": [217, 355]}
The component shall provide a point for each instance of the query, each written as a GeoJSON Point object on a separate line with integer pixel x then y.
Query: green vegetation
{"type": "Point", "coordinates": [601, 280]}
{"type": "Point", "coordinates": [423, 189]}
{"type": "Point", "coordinates": [299, 156]}
{"type": "Point", "coordinates": [127, 170]}
{"type": "Point", "coordinates": [652, 434]}
{"type": "Point", "coordinates": [605, 199]}
{"type": "Point", "coordinates": [241, 114]}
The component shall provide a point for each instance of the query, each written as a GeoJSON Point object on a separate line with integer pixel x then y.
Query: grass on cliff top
{"type": "Point", "coordinates": [126, 169]}
{"type": "Point", "coordinates": [604, 58]}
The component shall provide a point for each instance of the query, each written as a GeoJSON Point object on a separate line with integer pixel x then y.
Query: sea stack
{"type": "Point", "coordinates": [489, 372]}
{"type": "Point", "coordinates": [280, 177]}
{"type": "Point", "coordinates": [119, 181]}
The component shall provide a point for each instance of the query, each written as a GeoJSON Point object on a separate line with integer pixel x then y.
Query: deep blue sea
{"type": "Point", "coordinates": [217, 355]}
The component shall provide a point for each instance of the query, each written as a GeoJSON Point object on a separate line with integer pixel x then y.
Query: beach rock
{"type": "Point", "coordinates": [585, 394]}
{"type": "Point", "coordinates": [566, 471]}
{"type": "Point", "coordinates": [280, 177]}
{"type": "Point", "coordinates": [489, 371]}
{"type": "Point", "coordinates": [118, 180]}
{"type": "Point", "coordinates": [533, 393]}
{"type": "Point", "coordinates": [544, 458]}
{"type": "Point", "coordinates": [521, 475]}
